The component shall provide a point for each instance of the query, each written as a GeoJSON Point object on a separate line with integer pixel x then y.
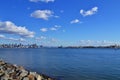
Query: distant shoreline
{"type": "Point", "coordinates": [41, 46]}
{"type": "Point", "coordinates": [65, 48]}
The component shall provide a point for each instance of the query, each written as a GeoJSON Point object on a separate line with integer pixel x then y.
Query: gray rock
{"type": "Point", "coordinates": [14, 72]}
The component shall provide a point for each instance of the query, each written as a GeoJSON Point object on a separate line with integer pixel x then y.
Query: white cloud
{"type": "Point", "coordinates": [46, 1]}
{"type": "Point", "coordinates": [89, 12]}
{"type": "Point", "coordinates": [12, 39]}
{"type": "Point", "coordinates": [22, 40]}
{"type": "Point", "coordinates": [96, 43]}
{"type": "Point", "coordinates": [53, 29]}
{"type": "Point", "coordinates": [2, 36]}
{"type": "Point", "coordinates": [57, 26]}
{"type": "Point", "coordinates": [75, 21]}
{"type": "Point", "coordinates": [54, 40]}
{"type": "Point", "coordinates": [10, 28]}
{"type": "Point", "coordinates": [15, 39]}
{"type": "Point", "coordinates": [47, 41]}
{"type": "Point", "coordinates": [41, 38]}
{"type": "Point", "coordinates": [44, 29]}
{"type": "Point", "coordinates": [43, 14]}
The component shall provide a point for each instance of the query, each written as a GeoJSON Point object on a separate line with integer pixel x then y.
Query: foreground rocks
{"type": "Point", "coordinates": [13, 72]}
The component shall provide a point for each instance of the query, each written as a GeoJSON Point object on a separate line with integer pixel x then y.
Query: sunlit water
{"type": "Point", "coordinates": [68, 64]}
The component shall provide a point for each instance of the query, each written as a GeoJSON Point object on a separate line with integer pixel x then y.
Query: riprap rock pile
{"type": "Point", "coordinates": [13, 72]}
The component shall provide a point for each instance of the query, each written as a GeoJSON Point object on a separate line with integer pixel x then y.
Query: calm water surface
{"type": "Point", "coordinates": [68, 64]}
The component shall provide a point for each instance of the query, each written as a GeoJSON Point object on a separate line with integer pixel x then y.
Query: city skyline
{"type": "Point", "coordinates": [59, 22]}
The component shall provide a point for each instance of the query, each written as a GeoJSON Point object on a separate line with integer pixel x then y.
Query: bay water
{"type": "Point", "coordinates": [68, 64]}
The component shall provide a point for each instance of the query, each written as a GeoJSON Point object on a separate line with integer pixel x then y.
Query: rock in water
{"type": "Point", "coordinates": [13, 72]}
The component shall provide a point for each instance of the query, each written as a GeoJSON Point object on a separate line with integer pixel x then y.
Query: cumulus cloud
{"type": "Point", "coordinates": [89, 12]}
{"type": "Point", "coordinates": [75, 21]}
{"type": "Point", "coordinates": [2, 36]}
{"type": "Point", "coordinates": [22, 40]}
{"type": "Point", "coordinates": [43, 14]}
{"type": "Point", "coordinates": [12, 39]}
{"type": "Point", "coordinates": [97, 43]}
{"type": "Point", "coordinates": [54, 40]}
{"type": "Point", "coordinates": [47, 41]}
{"type": "Point", "coordinates": [44, 29]}
{"type": "Point", "coordinates": [46, 1]}
{"type": "Point", "coordinates": [55, 28]}
{"type": "Point", "coordinates": [41, 38]}
{"type": "Point", "coordinates": [15, 39]}
{"type": "Point", "coordinates": [10, 28]}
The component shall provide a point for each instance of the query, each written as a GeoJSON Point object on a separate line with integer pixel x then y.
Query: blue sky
{"type": "Point", "coordinates": [60, 22]}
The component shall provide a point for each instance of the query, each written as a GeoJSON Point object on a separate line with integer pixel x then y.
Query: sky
{"type": "Point", "coordinates": [60, 22]}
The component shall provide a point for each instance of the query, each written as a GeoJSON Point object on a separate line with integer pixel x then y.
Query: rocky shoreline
{"type": "Point", "coordinates": [13, 72]}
